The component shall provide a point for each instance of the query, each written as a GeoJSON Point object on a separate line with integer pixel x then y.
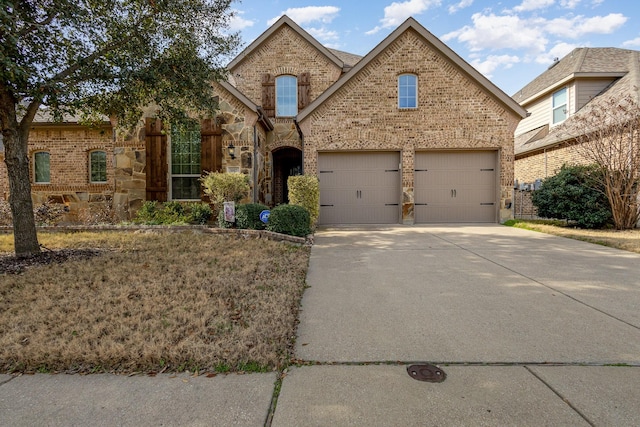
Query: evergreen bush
{"type": "Point", "coordinates": [575, 193]}
{"type": "Point", "coordinates": [293, 220]}
{"type": "Point", "coordinates": [248, 216]}
{"type": "Point", "coordinates": [304, 190]}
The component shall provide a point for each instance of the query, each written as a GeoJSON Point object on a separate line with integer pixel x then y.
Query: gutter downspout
{"type": "Point", "coordinates": [255, 164]}
{"type": "Point", "coordinates": [301, 142]}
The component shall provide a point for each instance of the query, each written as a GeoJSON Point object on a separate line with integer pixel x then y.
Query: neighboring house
{"type": "Point", "coordinates": [585, 78]}
{"type": "Point", "coordinates": [410, 133]}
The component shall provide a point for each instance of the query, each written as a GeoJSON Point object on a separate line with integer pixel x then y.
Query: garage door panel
{"type": "Point", "coordinates": [455, 186]}
{"type": "Point", "coordinates": [359, 188]}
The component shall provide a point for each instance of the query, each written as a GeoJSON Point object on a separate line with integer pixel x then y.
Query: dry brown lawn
{"type": "Point", "coordinates": [152, 302]}
{"type": "Point", "coordinates": [628, 240]}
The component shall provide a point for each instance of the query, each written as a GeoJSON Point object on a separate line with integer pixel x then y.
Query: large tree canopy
{"type": "Point", "coordinates": [102, 57]}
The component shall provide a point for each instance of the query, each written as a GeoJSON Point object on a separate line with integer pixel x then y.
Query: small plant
{"type": "Point", "coordinates": [248, 216]}
{"type": "Point", "coordinates": [168, 213]}
{"type": "Point", "coordinates": [289, 219]}
{"type": "Point", "coordinates": [225, 187]}
{"type": "Point", "coordinates": [304, 190]}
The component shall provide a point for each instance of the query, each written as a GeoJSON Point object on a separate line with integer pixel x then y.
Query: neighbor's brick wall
{"type": "Point", "coordinates": [541, 165]}
{"type": "Point", "coordinates": [453, 113]}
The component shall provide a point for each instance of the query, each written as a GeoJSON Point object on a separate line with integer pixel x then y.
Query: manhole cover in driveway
{"type": "Point", "coordinates": [429, 373]}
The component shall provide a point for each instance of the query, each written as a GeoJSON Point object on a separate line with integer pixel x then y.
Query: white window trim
{"type": "Point", "coordinates": [417, 91]}
{"type": "Point", "coordinates": [296, 95]}
{"type": "Point", "coordinates": [565, 105]}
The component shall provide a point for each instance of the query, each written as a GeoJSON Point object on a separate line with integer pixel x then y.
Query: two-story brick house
{"type": "Point", "coordinates": [409, 133]}
{"type": "Point", "coordinates": [584, 79]}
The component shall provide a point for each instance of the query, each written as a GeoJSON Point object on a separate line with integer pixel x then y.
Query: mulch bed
{"type": "Point", "coordinates": [10, 264]}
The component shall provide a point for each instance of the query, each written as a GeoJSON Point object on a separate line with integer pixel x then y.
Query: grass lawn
{"type": "Point", "coordinates": [153, 302]}
{"type": "Point", "coordinates": [628, 240]}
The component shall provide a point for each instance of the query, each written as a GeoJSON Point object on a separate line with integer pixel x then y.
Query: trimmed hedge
{"type": "Point", "coordinates": [304, 190]}
{"type": "Point", "coordinates": [248, 216]}
{"type": "Point", "coordinates": [293, 220]}
{"type": "Point", "coordinates": [154, 213]}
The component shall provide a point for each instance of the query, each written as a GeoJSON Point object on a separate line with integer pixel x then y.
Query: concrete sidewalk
{"type": "Point", "coordinates": [530, 329]}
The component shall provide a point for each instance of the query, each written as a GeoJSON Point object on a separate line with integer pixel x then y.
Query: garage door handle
{"type": "Point", "coordinates": [421, 204]}
{"type": "Point", "coordinates": [454, 193]}
{"type": "Point", "coordinates": [326, 205]}
{"type": "Point", "coordinates": [487, 204]}
{"type": "Point", "coordinates": [391, 204]}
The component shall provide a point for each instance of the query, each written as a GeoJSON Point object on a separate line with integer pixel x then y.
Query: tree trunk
{"type": "Point", "coordinates": [17, 161]}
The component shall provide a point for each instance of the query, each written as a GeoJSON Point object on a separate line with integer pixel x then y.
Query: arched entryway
{"type": "Point", "coordinates": [287, 161]}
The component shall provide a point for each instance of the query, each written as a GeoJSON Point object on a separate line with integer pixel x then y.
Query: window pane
{"type": "Point", "coordinates": [42, 167]}
{"type": "Point", "coordinates": [185, 188]}
{"type": "Point", "coordinates": [98, 166]}
{"type": "Point", "coordinates": [559, 105]}
{"type": "Point", "coordinates": [185, 160]}
{"type": "Point", "coordinates": [408, 91]}
{"type": "Point", "coordinates": [286, 96]}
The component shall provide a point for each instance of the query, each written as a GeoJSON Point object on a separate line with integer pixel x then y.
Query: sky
{"type": "Point", "coordinates": [510, 42]}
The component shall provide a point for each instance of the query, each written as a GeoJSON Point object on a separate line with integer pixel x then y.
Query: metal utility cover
{"type": "Point", "coordinates": [428, 373]}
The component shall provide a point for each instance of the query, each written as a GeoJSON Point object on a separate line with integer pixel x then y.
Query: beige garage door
{"type": "Point", "coordinates": [359, 188]}
{"type": "Point", "coordinates": [456, 186]}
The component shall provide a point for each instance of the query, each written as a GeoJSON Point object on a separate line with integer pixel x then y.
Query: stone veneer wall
{"type": "Point", "coordinates": [453, 113]}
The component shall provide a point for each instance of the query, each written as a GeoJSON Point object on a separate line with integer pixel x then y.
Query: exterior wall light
{"type": "Point", "coordinates": [231, 150]}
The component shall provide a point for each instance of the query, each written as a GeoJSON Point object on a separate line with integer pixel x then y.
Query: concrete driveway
{"type": "Point", "coordinates": [532, 329]}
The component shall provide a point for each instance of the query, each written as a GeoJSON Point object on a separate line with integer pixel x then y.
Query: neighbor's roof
{"type": "Point", "coordinates": [285, 20]}
{"type": "Point", "coordinates": [411, 23]}
{"type": "Point", "coordinates": [580, 62]}
{"type": "Point", "coordinates": [628, 84]}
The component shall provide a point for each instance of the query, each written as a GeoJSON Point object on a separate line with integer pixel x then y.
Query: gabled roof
{"type": "Point", "coordinates": [462, 65]}
{"type": "Point", "coordinates": [580, 62]}
{"type": "Point", "coordinates": [628, 84]}
{"type": "Point", "coordinates": [285, 20]}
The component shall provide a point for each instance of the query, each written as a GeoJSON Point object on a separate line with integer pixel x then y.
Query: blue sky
{"type": "Point", "coordinates": [510, 42]}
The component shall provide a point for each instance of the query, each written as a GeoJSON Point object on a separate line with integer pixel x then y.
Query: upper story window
{"type": "Point", "coordinates": [408, 91]}
{"type": "Point", "coordinates": [41, 167]}
{"type": "Point", "coordinates": [286, 96]}
{"type": "Point", "coordinates": [560, 106]}
{"type": "Point", "coordinates": [98, 167]}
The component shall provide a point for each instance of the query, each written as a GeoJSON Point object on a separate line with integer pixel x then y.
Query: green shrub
{"type": "Point", "coordinates": [168, 213]}
{"type": "Point", "coordinates": [575, 194]}
{"type": "Point", "coordinates": [199, 213]}
{"type": "Point", "coordinates": [225, 187]}
{"type": "Point", "coordinates": [289, 219]}
{"type": "Point", "coordinates": [248, 216]}
{"type": "Point", "coordinates": [221, 221]}
{"type": "Point", "coordinates": [304, 190]}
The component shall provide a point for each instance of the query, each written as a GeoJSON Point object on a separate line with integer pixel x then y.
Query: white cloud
{"type": "Point", "coordinates": [323, 34]}
{"type": "Point", "coordinates": [238, 23]}
{"type": "Point", "coordinates": [569, 4]}
{"type": "Point", "coordinates": [463, 4]}
{"type": "Point", "coordinates": [396, 13]}
{"type": "Point", "coordinates": [500, 32]}
{"type": "Point", "coordinates": [579, 26]}
{"type": "Point", "coordinates": [305, 15]}
{"type": "Point", "coordinates": [493, 62]}
{"type": "Point", "coordinates": [559, 51]}
{"type": "Point", "coordinates": [528, 5]}
{"type": "Point", "coordinates": [632, 43]}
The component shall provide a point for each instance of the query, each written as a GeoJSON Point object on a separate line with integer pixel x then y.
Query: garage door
{"type": "Point", "coordinates": [359, 188]}
{"type": "Point", "coordinates": [455, 186]}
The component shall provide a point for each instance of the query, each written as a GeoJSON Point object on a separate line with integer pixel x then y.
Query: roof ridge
{"type": "Point", "coordinates": [581, 59]}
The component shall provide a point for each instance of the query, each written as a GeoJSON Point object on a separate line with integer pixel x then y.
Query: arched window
{"type": "Point", "coordinates": [41, 167]}
{"type": "Point", "coordinates": [286, 96]}
{"type": "Point", "coordinates": [407, 91]}
{"type": "Point", "coordinates": [98, 166]}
